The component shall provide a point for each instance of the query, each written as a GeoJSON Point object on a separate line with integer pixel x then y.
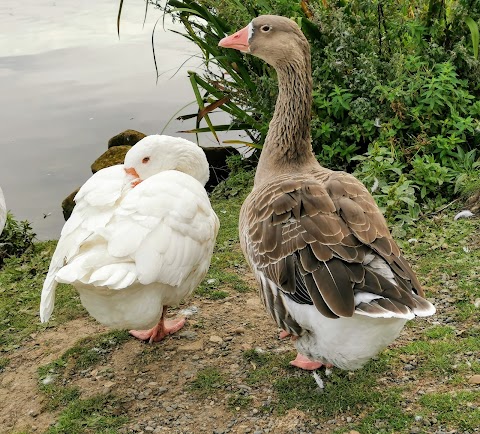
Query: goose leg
{"type": "Point", "coordinates": [162, 329]}
{"type": "Point", "coordinates": [301, 361]}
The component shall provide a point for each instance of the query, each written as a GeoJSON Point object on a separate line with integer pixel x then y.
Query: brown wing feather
{"type": "Point", "coordinates": [321, 227]}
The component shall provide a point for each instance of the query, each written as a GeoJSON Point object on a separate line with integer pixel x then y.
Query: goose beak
{"type": "Point", "coordinates": [237, 41]}
{"type": "Point", "coordinates": [132, 172]}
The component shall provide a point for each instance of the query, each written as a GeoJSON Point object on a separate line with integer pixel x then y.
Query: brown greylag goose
{"type": "Point", "coordinates": [329, 272]}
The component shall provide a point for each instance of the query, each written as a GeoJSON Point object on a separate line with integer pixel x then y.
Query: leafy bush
{"type": "Point", "coordinates": [396, 89]}
{"type": "Point", "coordinates": [16, 238]}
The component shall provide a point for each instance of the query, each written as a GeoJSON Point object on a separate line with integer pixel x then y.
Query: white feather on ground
{"type": "Point", "coordinates": [463, 215]}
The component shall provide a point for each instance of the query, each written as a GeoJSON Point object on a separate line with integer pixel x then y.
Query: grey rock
{"type": "Point", "coordinates": [188, 334]}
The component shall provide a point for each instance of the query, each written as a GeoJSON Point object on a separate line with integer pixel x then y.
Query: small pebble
{"type": "Point", "coordinates": [33, 413]}
{"type": "Point", "coordinates": [188, 334]}
{"type": "Point", "coordinates": [474, 379]}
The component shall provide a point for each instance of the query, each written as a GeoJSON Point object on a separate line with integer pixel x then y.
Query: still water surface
{"type": "Point", "coordinates": [67, 84]}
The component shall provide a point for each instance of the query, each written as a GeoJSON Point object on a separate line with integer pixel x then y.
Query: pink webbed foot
{"type": "Point", "coordinates": [303, 362]}
{"type": "Point", "coordinates": [162, 329]}
{"type": "Point", "coordinates": [284, 334]}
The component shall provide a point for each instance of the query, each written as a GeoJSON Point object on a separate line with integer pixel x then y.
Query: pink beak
{"type": "Point", "coordinates": [237, 41]}
{"type": "Point", "coordinates": [132, 172]}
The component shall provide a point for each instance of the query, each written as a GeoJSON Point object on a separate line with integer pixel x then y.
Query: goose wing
{"type": "Point", "coordinates": [167, 227]}
{"type": "Point", "coordinates": [320, 239]}
{"type": "Point", "coordinates": [95, 204]}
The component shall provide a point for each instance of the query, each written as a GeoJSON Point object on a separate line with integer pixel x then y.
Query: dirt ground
{"type": "Point", "coordinates": [151, 380]}
{"type": "Point", "coordinates": [153, 383]}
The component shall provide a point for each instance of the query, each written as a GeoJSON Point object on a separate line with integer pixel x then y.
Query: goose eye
{"type": "Point", "coordinates": [146, 160]}
{"type": "Point", "coordinates": [265, 28]}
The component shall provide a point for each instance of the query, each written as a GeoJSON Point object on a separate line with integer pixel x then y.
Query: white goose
{"type": "Point", "coordinates": [329, 272]}
{"type": "Point", "coordinates": [140, 238]}
{"type": "Point", "coordinates": [3, 211]}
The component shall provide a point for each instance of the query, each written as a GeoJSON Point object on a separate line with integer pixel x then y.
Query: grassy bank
{"type": "Point", "coordinates": [420, 384]}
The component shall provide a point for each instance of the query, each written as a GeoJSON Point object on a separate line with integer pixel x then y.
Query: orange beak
{"type": "Point", "coordinates": [132, 172]}
{"type": "Point", "coordinates": [237, 41]}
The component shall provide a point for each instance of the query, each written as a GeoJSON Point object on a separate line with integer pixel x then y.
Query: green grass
{"type": "Point", "coordinates": [345, 393]}
{"type": "Point", "coordinates": [86, 353]}
{"type": "Point", "coordinates": [21, 281]}
{"type": "Point", "coordinates": [447, 258]}
{"type": "Point", "coordinates": [207, 382]}
{"type": "Point", "coordinates": [439, 332]}
{"type": "Point", "coordinates": [4, 362]}
{"type": "Point", "coordinates": [239, 400]}
{"type": "Point", "coordinates": [228, 264]}
{"type": "Point", "coordinates": [101, 414]}
{"type": "Point", "coordinates": [458, 409]}
{"type": "Point", "coordinates": [445, 355]}
{"type": "Point", "coordinates": [59, 395]}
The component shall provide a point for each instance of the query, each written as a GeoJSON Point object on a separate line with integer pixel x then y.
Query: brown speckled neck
{"type": "Point", "coordinates": [288, 145]}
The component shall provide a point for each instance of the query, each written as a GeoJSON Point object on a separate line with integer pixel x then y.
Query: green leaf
{"type": "Point", "coordinates": [473, 26]}
{"type": "Point", "coordinates": [201, 106]}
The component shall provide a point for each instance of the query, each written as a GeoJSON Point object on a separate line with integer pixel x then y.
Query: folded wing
{"type": "Point", "coordinates": [324, 242]}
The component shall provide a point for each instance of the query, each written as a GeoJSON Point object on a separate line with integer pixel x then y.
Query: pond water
{"type": "Point", "coordinates": [68, 84]}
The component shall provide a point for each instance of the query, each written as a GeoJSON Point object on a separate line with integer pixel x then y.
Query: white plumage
{"type": "Point", "coordinates": [131, 250]}
{"type": "Point", "coordinates": [3, 211]}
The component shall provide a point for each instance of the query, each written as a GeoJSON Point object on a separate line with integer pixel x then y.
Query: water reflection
{"type": "Point", "coordinates": [68, 84]}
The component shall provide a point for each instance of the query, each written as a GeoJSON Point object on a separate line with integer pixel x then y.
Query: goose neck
{"type": "Point", "coordinates": [288, 145]}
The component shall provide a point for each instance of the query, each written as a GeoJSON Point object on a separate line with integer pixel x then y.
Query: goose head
{"type": "Point", "coordinates": [157, 153]}
{"type": "Point", "coordinates": [275, 39]}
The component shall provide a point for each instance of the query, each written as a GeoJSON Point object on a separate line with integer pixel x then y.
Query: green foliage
{"type": "Point", "coordinates": [396, 91]}
{"type": "Point", "coordinates": [15, 239]}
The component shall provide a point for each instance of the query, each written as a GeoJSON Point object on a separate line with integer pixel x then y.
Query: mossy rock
{"type": "Point", "coordinates": [110, 157]}
{"type": "Point", "coordinates": [126, 138]}
{"type": "Point", "coordinates": [217, 160]}
{"type": "Point", "coordinates": [68, 204]}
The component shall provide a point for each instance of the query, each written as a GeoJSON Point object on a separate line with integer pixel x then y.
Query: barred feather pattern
{"type": "Point", "coordinates": [320, 239]}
